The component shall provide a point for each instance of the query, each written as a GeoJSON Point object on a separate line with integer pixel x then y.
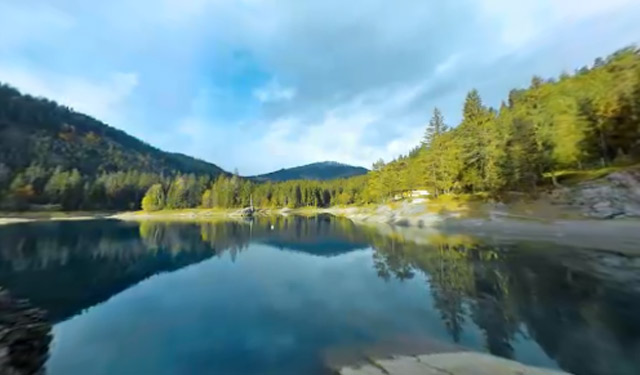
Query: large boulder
{"type": "Point", "coordinates": [616, 195]}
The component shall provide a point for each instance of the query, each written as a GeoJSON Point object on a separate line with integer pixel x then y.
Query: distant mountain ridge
{"type": "Point", "coordinates": [326, 170]}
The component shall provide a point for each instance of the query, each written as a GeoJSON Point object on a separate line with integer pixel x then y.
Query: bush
{"type": "Point", "coordinates": [154, 198]}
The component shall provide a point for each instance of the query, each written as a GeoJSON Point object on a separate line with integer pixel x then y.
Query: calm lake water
{"type": "Point", "coordinates": [296, 296]}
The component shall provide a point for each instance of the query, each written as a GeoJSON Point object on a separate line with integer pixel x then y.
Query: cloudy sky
{"type": "Point", "coordinates": [265, 84]}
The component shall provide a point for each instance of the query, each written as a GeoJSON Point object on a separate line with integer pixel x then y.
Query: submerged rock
{"type": "Point", "coordinates": [464, 363]}
{"type": "Point", "coordinates": [25, 336]}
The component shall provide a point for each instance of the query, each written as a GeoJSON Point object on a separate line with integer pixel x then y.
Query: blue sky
{"type": "Point", "coordinates": [259, 85]}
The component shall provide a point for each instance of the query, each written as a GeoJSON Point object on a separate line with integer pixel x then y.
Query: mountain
{"type": "Point", "coordinates": [41, 132]}
{"type": "Point", "coordinates": [327, 170]}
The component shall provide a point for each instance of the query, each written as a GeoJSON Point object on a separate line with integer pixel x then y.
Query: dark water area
{"type": "Point", "coordinates": [297, 295]}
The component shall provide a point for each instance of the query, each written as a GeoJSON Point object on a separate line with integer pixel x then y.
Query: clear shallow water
{"type": "Point", "coordinates": [242, 298]}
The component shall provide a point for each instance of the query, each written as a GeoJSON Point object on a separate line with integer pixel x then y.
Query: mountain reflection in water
{"type": "Point", "coordinates": [541, 304]}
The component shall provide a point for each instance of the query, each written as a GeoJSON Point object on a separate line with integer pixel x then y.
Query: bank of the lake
{"type": "Point", "coordinates": [498, 222]}
{"type": "Point", "coordinates": [515, 222]}
{"type": "Point", "coordinates": [33, 216]}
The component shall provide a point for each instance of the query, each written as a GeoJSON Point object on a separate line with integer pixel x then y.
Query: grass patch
{"type": "Point", "coordinates": [466, 205]}
{"type": "Point", "coordinates": [572, 176]}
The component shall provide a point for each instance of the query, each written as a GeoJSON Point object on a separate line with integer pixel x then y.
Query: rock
{"type": "Point", "coordinates": [25, 336]}
{"type": "Point", "coordinates": [245, 212]}
{"type": "Point", "coordinates": [605, 210]}
{"type": "Point", "coordinates": [616, 195]}
{"type": "Point", "coordinates": [464, 363]}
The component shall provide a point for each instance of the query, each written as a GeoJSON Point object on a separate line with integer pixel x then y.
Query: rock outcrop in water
{"type": "Point", "coordinates": [25, 335]}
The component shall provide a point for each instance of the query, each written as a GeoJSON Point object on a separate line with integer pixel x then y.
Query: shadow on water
{"type": "Point", "coordinates": [579, 307]}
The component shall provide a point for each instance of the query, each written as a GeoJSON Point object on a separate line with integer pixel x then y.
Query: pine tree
{"type": "Point", "coordinates": [475, 136]}
{"type": "Point", "coordinates": [435, 128]}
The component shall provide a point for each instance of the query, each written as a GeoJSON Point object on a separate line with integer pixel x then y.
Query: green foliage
{"type": "Point", "coordinates": [154, 199]}
{"type": "Point", "coordinates": [589, 120]}
{"type": "Point", "coordinates": [233, 192]}
{"type": "Point", "coordinates": [65, 188]}
{"type": "Point", "coordinates": [435, 128]}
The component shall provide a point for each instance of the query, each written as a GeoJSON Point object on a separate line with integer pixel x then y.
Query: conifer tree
{"type": "Point", "coordinates": [435, 128]}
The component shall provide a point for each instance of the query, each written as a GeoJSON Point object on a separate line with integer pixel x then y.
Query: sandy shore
{"type": "Point", "coordinates": [15, 218]}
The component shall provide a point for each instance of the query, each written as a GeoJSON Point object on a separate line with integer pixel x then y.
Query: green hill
{"type": "Point", "coordinates": [37, 130]}
{"type": "Point", "coordinates": [51, 154]}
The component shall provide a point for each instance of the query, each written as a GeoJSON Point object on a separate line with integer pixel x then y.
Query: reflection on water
{"type": "Point", "coordinates": [277, 295]}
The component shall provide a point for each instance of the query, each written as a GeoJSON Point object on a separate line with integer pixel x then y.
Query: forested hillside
{"type": "Point", "coordinates": [328, 170]}
{"type": "Point", "coordinates": [587, 120]}
{"type": "Point", "coordinates": [52, 154]}
{"type": "Point", "coordinates": [583, 121]}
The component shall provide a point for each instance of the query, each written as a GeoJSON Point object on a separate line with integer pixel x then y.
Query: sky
{"type": "Point", "coordinates": [260, 85]}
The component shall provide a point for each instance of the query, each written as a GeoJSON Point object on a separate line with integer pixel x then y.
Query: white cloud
{"type": "Point", "coordinates": [103, 99]}
{"type": "Point", "coordinates": [341, 133]}
{"type": "Point", "coordinates": [274, 92]}
{"type": "Point", "coordinates": [521, 22]}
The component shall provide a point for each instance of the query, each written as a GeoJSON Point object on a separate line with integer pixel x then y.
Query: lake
{"type": "Point", "coordinates": [301, 295]}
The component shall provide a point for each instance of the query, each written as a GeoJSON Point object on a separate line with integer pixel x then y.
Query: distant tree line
{"type": "Point", "coordinates": [233, 191]}
{"type": "Point", "coordinates": [70, 190]}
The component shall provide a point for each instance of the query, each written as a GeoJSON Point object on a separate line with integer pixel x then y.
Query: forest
{"type": "Point", "coordinates": [53, 155]}
{"type": "Point", "coordinates": [581, 121]}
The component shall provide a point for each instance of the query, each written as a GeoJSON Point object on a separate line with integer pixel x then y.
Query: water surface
{"type": "Point", "coordinates": [295, 296]}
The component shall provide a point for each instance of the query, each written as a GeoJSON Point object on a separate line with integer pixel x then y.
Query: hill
{"type": "Point", "coordinates": [53, 155]}
{"type": "Point", "coordinates": [39, 131]}
{"type": "Point", "coordinates": [328, 170]}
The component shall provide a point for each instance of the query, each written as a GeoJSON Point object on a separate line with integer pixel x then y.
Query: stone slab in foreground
{"type": "Point", "coordinates": [462, 363]}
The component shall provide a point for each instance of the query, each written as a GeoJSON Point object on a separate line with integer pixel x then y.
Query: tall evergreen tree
{"type": "Point", "coordinates": [435, 128]}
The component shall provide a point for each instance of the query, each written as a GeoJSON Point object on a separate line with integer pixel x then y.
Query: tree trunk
{"type": "Point", "coordinates": [554, 180]}
{"type": "Point", "coordinates": [603, 149]}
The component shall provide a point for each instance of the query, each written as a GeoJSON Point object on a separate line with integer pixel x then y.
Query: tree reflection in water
{"type": "Point", "coordinates": [587, 322]}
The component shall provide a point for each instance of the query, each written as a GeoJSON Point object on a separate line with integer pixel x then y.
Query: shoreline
{"type": "Point", "coordinates": [29, 217]}
{"type": "Point", "coordinates": [618, 235]}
